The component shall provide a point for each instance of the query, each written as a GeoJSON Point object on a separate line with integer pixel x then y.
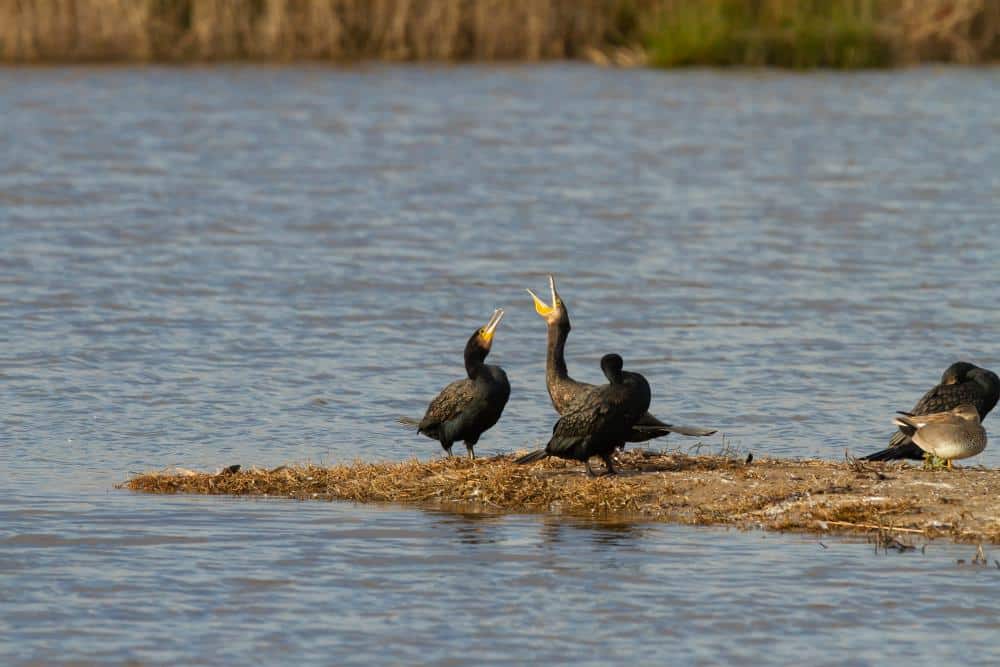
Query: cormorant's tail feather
{"type": "Point", "coordinates": [536, 455]}
{"type": "Point", "coordinates": [642, 434]}
{"type": "Point", "coordinates": [692, 430]}
{"type": "Point", "coordinates": [888, 454]}
{"type": "Point", "coordinates": [906, 451]}
{"type": "Point", "coordinates": [656, 431]}
{"type": "Point", "coordinates": [648, 425]}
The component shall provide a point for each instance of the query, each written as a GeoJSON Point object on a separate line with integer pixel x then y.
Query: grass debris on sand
{"type": "Point", "coordinates": [774, 494]}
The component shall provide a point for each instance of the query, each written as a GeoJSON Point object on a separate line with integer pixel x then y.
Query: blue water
{"type": "Point", "coordinates": [255, 265]}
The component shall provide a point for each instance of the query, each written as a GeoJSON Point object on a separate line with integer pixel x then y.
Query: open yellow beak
{"type": "Point", "coordinates": [541, 307]}
{"type": "Point", "coordinates": [491, 326]}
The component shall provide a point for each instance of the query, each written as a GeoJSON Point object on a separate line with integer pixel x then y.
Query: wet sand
{"type": "Point", "coordinates": [807, 495]}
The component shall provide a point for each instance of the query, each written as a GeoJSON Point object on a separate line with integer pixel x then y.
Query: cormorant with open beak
{"type": "Point", "coordinates": [961, 383]}
{"type": "Point", "coordinates": [599, 420]}
{"type": "Point", "coordinates": [564, 390]}
{"type": "Point", "coordinates": [467, 408]}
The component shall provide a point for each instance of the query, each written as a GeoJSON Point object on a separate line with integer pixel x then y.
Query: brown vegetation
{"type": "Point", "coordinates": [807, 495]}
{"type": "Point", "coordinates": [180, 30]}
{"type": "Point", "coordinates": [778, 32]}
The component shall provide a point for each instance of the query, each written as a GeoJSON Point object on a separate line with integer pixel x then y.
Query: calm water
{"type": "Point", "coordinates": [201, 267]}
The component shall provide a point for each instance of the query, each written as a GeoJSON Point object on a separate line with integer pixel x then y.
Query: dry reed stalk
{"type": "Point", "coordinates": [963, 31]}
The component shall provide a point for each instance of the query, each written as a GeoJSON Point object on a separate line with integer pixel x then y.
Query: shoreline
{"type": "Point", "coordinates": [794, 495]}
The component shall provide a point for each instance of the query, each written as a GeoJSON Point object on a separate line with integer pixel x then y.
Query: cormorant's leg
{"type": "Point", "coordinates": [472, 454]}
{"type": "Point", "coordinates": [590, 471]}
{"type": "Point", "coordinates": [609, 464]}
{"type": "Point", "coordinates": [948, 464]}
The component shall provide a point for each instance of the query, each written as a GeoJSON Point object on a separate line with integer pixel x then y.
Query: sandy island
{"type": "Point", "coordinates": [773, 494]}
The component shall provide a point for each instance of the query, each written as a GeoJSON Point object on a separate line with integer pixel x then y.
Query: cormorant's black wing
{"type": "Point", "coordinates": [447, 405]}
{"type": "Point", "coordinates": [588, 418]}
{"type": "Point", "coordinates": [945, 397]}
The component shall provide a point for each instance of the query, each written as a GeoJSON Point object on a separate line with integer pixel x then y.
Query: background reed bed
{"type": "Point", "coordinates": [790, 33]}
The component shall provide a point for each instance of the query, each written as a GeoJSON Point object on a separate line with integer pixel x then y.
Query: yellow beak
{"type": "Point", "coordinates": [491, 326]}
{"type": "Point", "coordinates": [541, 307]}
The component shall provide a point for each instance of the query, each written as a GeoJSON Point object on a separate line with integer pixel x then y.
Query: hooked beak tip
{"type": "Point", "coordinates": [491, 326]}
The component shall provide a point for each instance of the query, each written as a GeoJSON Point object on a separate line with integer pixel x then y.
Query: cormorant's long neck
{"type": "Point", "coordinates": [555, 360]}
{"type": "Point", "coordinates": [475, 358]}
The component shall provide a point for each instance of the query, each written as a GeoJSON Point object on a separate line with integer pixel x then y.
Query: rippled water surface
{"type": "Point", "coordinates": [201, 267]}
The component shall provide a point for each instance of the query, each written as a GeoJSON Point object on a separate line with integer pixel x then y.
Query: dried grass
{"type": "Point", "coordinates": [847, 33]}
{"type": "Point", "coordinates": [495, 483]}
{"type": "Point", "coordinates": [774, 494]}
{"type": "Point", "coordinates": [339, 30]}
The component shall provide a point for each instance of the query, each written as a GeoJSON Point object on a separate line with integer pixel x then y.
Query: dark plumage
{"type": "Point", "coordinates": [961, 382]}
{"type": "Point", "coordinates": [600, 419]}
{"type": "Point", "coordinates": [565, 391]}
{"type": "Point", "coordinates": [465, 409]}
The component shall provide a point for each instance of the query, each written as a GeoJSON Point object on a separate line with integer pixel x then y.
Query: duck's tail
{"type": "Point", "coordinates": [906, 425]}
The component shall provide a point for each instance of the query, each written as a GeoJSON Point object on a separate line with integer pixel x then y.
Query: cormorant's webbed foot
{"type": "Point", "coordinates": [590, 471]}
{"type": "Point", "coordinates": [609, 464]}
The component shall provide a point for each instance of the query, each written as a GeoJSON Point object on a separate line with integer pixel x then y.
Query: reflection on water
{"type": "Point", "coordinates": [468, 527]}
{"type": "Point", "coordinates": [196, 274]}
{"type": "Point", "coordinates": [556, 530]}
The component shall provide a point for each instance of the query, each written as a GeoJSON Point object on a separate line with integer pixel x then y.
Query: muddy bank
{"type": "Point", "coordinates": [774, 494]}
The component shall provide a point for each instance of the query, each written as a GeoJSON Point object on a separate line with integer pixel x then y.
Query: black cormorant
{"type": "Point", "coordinates": [564, 390]}
{"type": "Point", "coordinates": [599, 420]}
{"type": "Point", "coordinates": [465, 409]}
{"type": "Point", "coordinates": [962, 382]}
